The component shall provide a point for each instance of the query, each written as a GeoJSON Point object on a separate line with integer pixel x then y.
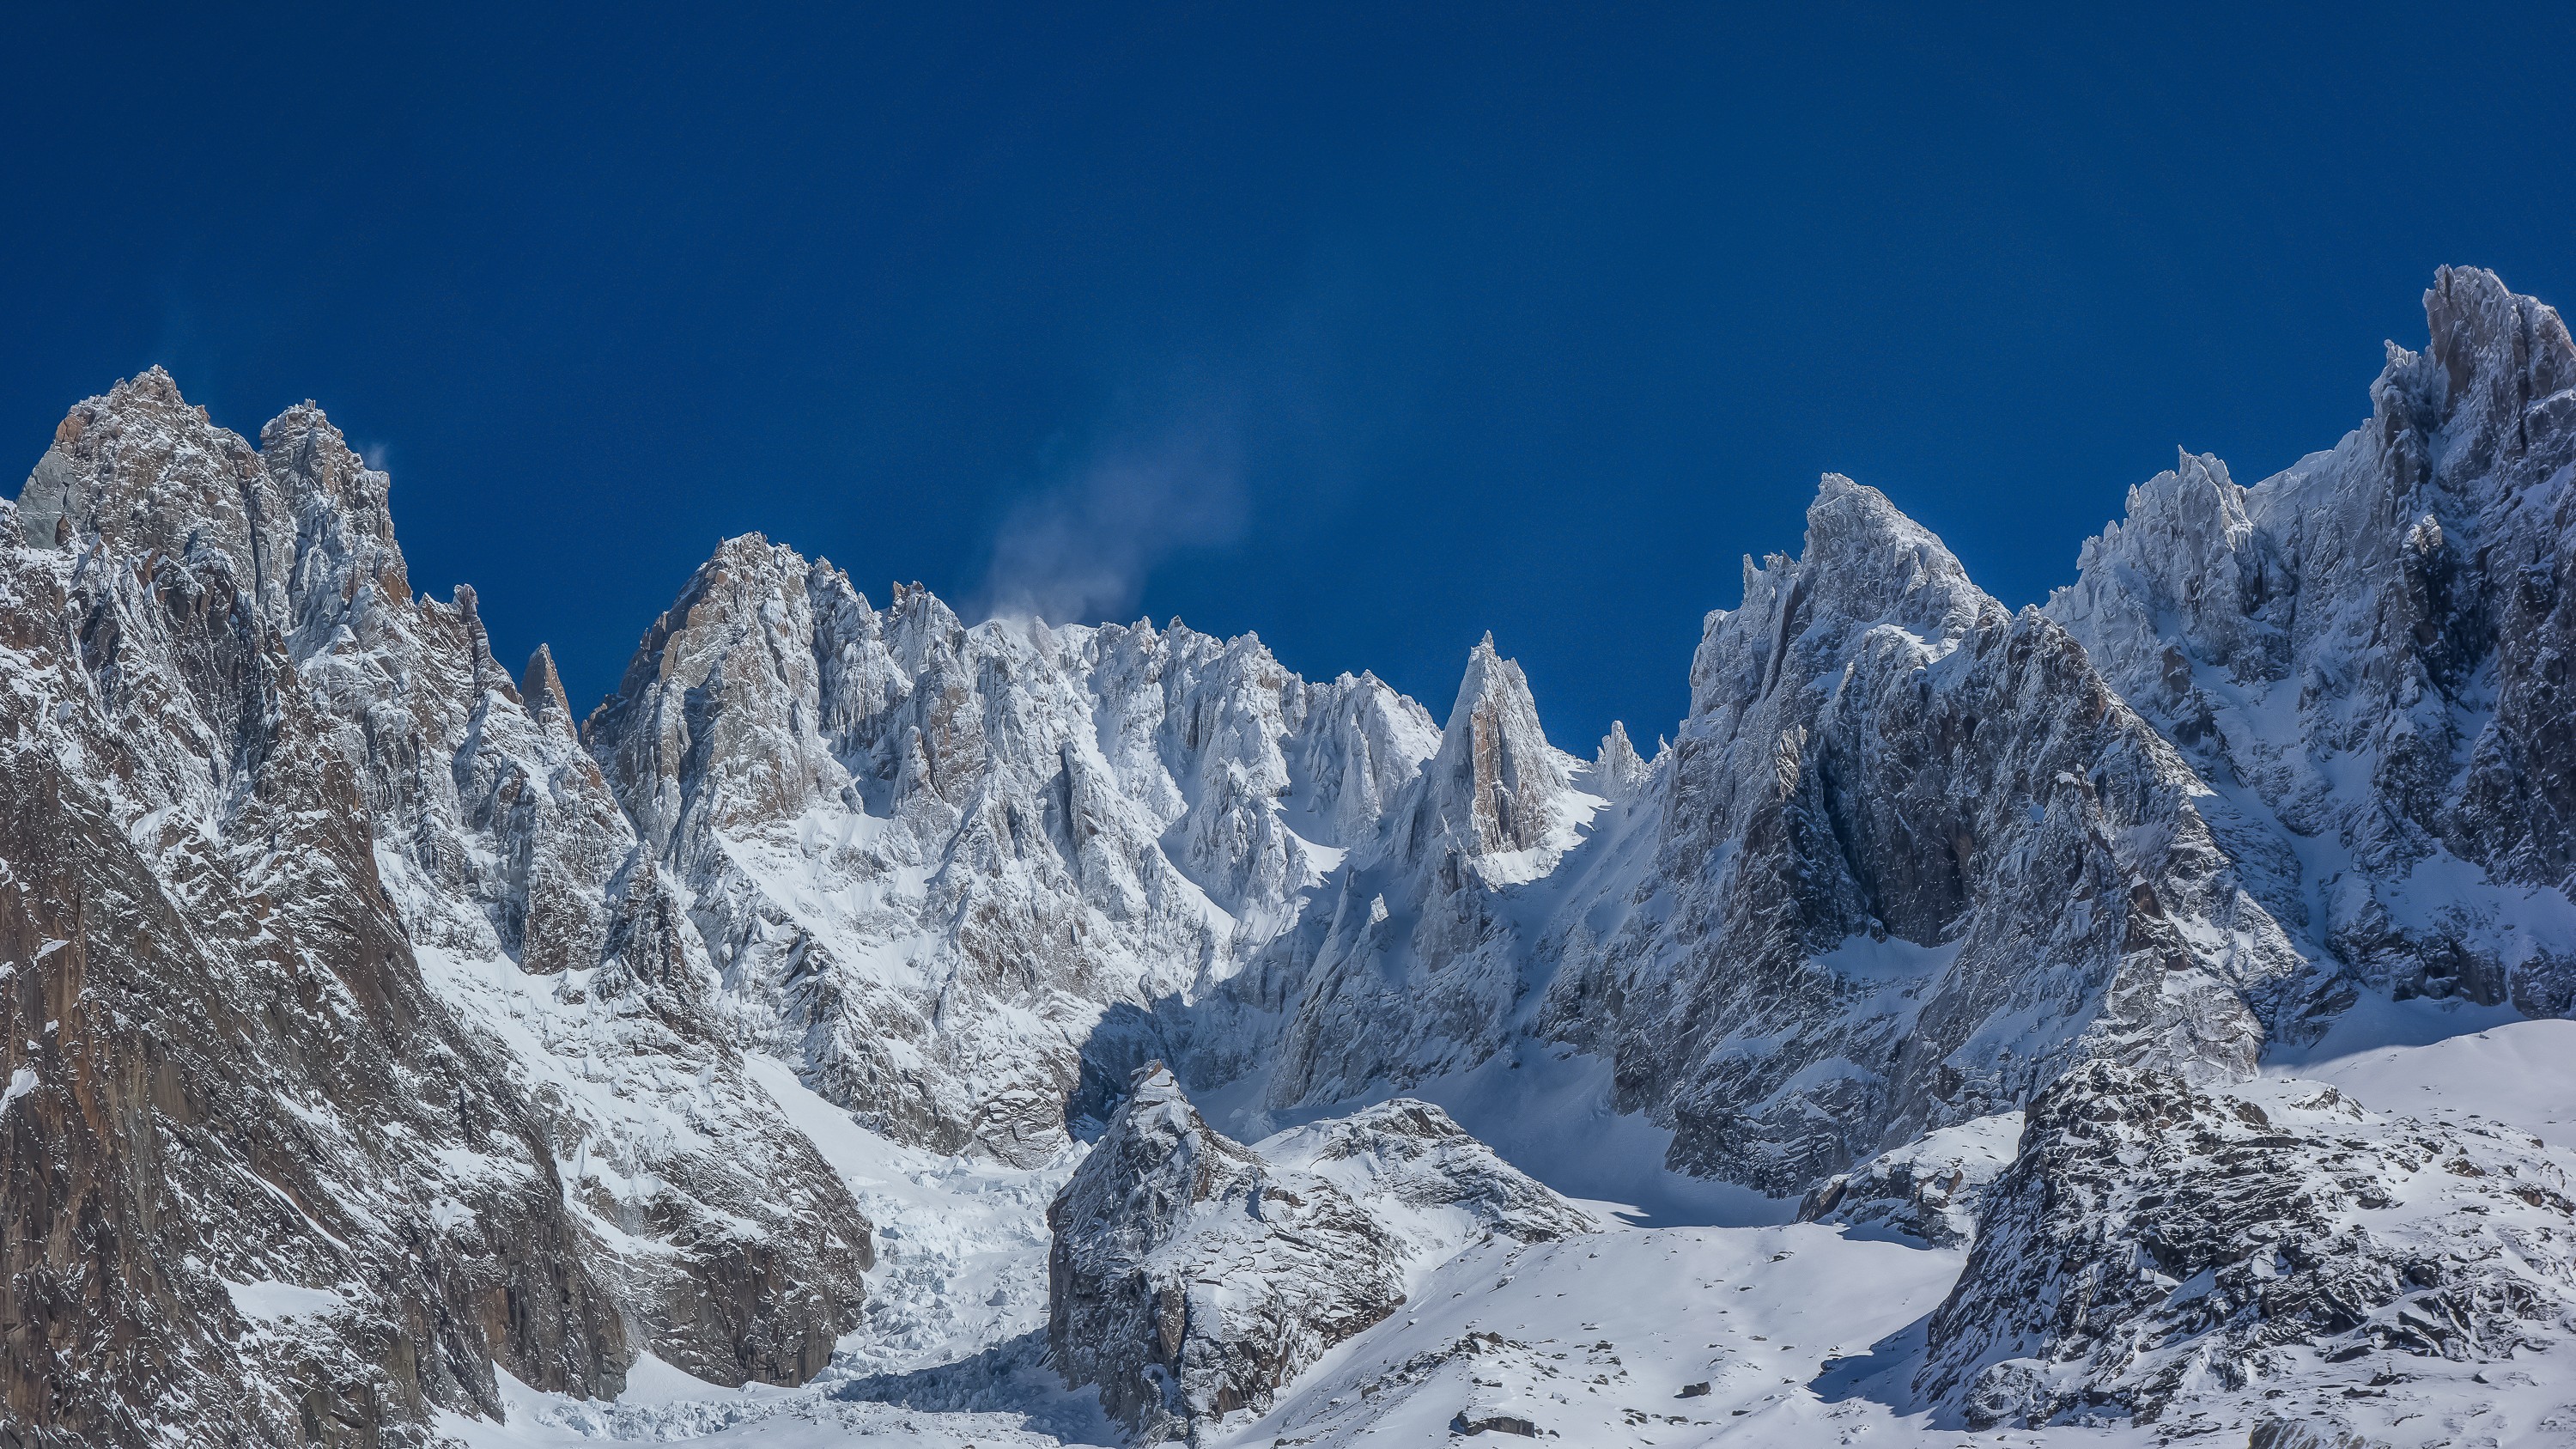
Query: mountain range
{"type": "Point", "coordinates": [396, 1057]}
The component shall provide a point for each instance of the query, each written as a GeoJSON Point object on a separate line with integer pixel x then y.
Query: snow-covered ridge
{"type": "Point", "coordinates": [2364, 656]}
{"type": "Point", "coordinates": [930, 858]}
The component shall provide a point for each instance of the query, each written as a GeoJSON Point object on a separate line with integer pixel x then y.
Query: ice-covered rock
{"type": "Point", "coordinates": [1190, 1278]}
{"type": "Point", "coordinates": [1616, 770]}
{"type": "Point", "coordinates": [2155, 1240]}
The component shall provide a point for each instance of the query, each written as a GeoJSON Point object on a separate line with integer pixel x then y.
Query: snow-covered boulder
{"type": "Point", "coordinates": [1927, 1190]}
{"type": "Point", "coordinates": [1190, 1278]}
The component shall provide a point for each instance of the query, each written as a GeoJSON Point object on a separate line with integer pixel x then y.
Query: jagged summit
{"type": "Point", "coordinates": [310, 836]}
{"type": "Point", "coordinates": [932, 857]}
{"type": "Point", "coordinates": [1908, 785]}
{"type": "Point", "coordinates": [1617, 771]}
{"type": "Point", "coordinates": [300, 522]}
{"type": "Point", "coordinates": [1866, 565]}
{"type": "Point", "coordinates": [2506, 367]}
{"type": "Point", "coordinates": [2367, 648]}
{"type": "Point", "coordinates": [1496, 786]}
{"type": "Point", "coordinates": [542, 688]}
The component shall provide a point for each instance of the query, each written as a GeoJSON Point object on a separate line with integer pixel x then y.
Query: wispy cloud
{"type": "Point", "coordinates": [1081, 548]}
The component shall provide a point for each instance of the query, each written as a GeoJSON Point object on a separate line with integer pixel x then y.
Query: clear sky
{"type": "Point", "coordinates": [1368, 328]}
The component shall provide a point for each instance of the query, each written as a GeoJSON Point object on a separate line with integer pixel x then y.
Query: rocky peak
{"type": "Point", "coordinates": [716, 712]}
{"type": "Point", "coordinates": [153, 384]}
{"type": "Point", "coordinates": [1865, 561]}
{"type": "Point", "coordinates": [1157, 1159]}
{"type": "Point", "coordinates": [542, 689]}
{"type": "Point", "coordinates": [1362, 743]}
{"type": "Point", "coordinates": [2366, 647]}
{"type": "Point", "coordinates": [300, 523]}
{"type": "Point", "coordinates": [2498, 356]}
{"type": "Point", "coordinates": [1496, 786]}
{"type": "Point", "coordinates": [345, 563]}
{"type": "Point", "coordinates": [317, 470]}
{"type": "Point", "coordinates": [1009, 823]}
{"type": "Point", "coordinates": [1617, 772]}
{"type": "Point", "coordinates": [1414, 967]}
{"type": "Point", "coordinates": [1866, 566]}
{"type": "Point", "coordinates": [139, 470]}
{"type": "Point", "coordinates": [1888, 800]}
{"type": "Point", "coordinates": [2190, 551]}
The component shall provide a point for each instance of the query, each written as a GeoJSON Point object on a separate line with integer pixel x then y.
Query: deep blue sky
{"type": "Point", "coordinates": [1369, 328]}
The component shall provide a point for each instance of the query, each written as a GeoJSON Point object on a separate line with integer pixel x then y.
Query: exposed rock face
{"type": "Point", "coordinates": [1496, 788]}
{"type": "Point", "coordinates": [1916, 857]}
{"type": "Point", "coordinates": [2153, 1239]}
{"type": "Point", "coordinates": [284, 845]}
{"type": "Point", "coordinates": [2368, 654]}
{"type": "Point", "coordinates": [1190, 1278]}
{"type": "Point", "coordinates": [226, 1067]}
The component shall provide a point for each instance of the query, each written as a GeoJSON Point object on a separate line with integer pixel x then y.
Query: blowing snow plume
{"type": "Point", "coordinates": [1080, 550]}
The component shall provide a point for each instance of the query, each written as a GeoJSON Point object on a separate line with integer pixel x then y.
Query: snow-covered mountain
{"type": "Point", "coordinates": [393, 1054]}
{"type": "Point", "coordinates": [356, 1051]}
{"type": "Point", "coordinates": [2366, 657]}
{"type": "Point", "coordinates": [931, 858]}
